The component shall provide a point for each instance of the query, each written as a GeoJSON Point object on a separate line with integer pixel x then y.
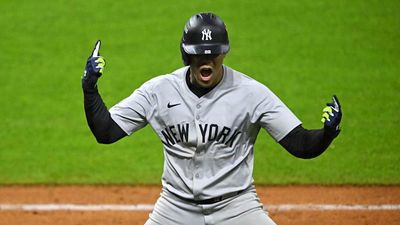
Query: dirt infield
{"type": "Point", "coordinates": [276, 197]}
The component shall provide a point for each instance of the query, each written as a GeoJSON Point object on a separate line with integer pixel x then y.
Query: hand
{"type": "Point", "coordinates": [332, 115]}
{"type": "Point", "coordinates": [94, 67]}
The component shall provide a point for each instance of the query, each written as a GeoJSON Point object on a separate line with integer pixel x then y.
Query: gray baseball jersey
{"type": "Point", "coordinates": [208, 141]}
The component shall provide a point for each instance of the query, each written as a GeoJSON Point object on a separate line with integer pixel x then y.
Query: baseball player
{"type": "Point", "coordinates": [207, 115]}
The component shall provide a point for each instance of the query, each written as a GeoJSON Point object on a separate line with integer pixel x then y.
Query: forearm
{"type": "Point", "coordinates": [99, 119]}
{"type": "Point", "coordinates": [306, 144]}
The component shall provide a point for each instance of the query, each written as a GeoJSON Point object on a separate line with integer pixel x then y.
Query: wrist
{"type": "Point", "coordinates": [89, 83]}
{"type": "Point", "coordinates": [331, 132]}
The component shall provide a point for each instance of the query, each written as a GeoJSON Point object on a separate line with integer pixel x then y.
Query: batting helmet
{"type": "Point", "coordinates": [204, 33]}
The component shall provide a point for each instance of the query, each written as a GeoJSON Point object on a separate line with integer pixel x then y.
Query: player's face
{"type": "Point", "coordinates": [206, 70]}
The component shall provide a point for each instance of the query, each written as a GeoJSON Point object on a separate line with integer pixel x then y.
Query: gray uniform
{"type": "Point", "coordinates": [208, 141]}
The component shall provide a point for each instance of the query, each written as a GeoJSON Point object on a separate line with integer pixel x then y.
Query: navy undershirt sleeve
{"type": "Point", "coordinates": [307, 144]}
{"type": "Point", "coordinates": [103, 127]}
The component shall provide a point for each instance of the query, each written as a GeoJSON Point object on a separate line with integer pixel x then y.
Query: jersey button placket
{"type": "Point", "coordinates": [197, 156]}
{"type": "Point", "coordinates": [197, 111]}
{"type": "Point", "coordinates": [196, 177]}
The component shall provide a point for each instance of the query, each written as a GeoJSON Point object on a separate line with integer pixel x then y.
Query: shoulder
{"type": "Point", "coordinates": [254, 92]}
{"type": "Point", "coordinates": [161, 81]}
{"type": "Point", "coordinates": [246, 83]}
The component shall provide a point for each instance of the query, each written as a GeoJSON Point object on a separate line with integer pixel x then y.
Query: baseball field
{"type": "Point", "coordinates": [304, 51]}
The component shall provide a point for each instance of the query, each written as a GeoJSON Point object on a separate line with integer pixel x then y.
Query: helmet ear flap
{"type": "Point", "coordinates": [185, 56]}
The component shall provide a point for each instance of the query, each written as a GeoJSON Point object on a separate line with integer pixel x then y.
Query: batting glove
{"type": "Point", "coordinates": [332, 115]}
{"type": "Point", "coordinates": [94, 68]}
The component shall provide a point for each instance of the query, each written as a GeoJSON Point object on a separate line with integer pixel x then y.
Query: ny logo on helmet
{"type": "Point", "coordinates": [206, 35]}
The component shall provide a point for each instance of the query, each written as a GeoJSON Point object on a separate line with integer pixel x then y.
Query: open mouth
{"type": "Point", "coordinates": [206, 73]}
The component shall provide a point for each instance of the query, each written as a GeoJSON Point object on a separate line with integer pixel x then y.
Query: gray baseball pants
{"type": "Point", "coordinates": [243, 209]}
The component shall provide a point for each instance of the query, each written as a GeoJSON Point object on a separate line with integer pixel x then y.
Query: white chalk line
{"type": "Point", "coordinates": [329, 207]}
{"type": "Point", "coordinates": [75, 207]}
{"type": "Point", "coordinates": [149, 207]}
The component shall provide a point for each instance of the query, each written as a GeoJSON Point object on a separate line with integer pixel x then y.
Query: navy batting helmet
{"type": "Point", "coordinates": [204, 33]}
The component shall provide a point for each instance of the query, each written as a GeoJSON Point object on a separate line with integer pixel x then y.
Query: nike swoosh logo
{"type": "Point", "coordinates": [169, 105]}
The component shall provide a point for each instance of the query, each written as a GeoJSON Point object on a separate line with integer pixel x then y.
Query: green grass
{"type": "Point", "coordinates": [303, 50]}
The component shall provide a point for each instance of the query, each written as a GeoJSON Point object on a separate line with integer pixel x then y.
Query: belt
{"type": "Point", "coordinates": [210, 200]}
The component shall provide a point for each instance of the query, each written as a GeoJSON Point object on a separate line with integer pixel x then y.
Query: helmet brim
{"type": "Point", "coordinates": [206, 49]}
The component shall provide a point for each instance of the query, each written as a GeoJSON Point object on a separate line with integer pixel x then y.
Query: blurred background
{"type": "Point", "coordinates": [304, 51]}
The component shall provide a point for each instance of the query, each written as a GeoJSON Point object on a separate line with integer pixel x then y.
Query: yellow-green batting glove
{"type": "Point", "coordinates": [332, 115]}
{"type": "Point", "coordinates": [94, 68]}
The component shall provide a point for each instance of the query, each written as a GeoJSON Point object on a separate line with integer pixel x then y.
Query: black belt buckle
{"type": "Point", "coordinates": [216, 199]}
